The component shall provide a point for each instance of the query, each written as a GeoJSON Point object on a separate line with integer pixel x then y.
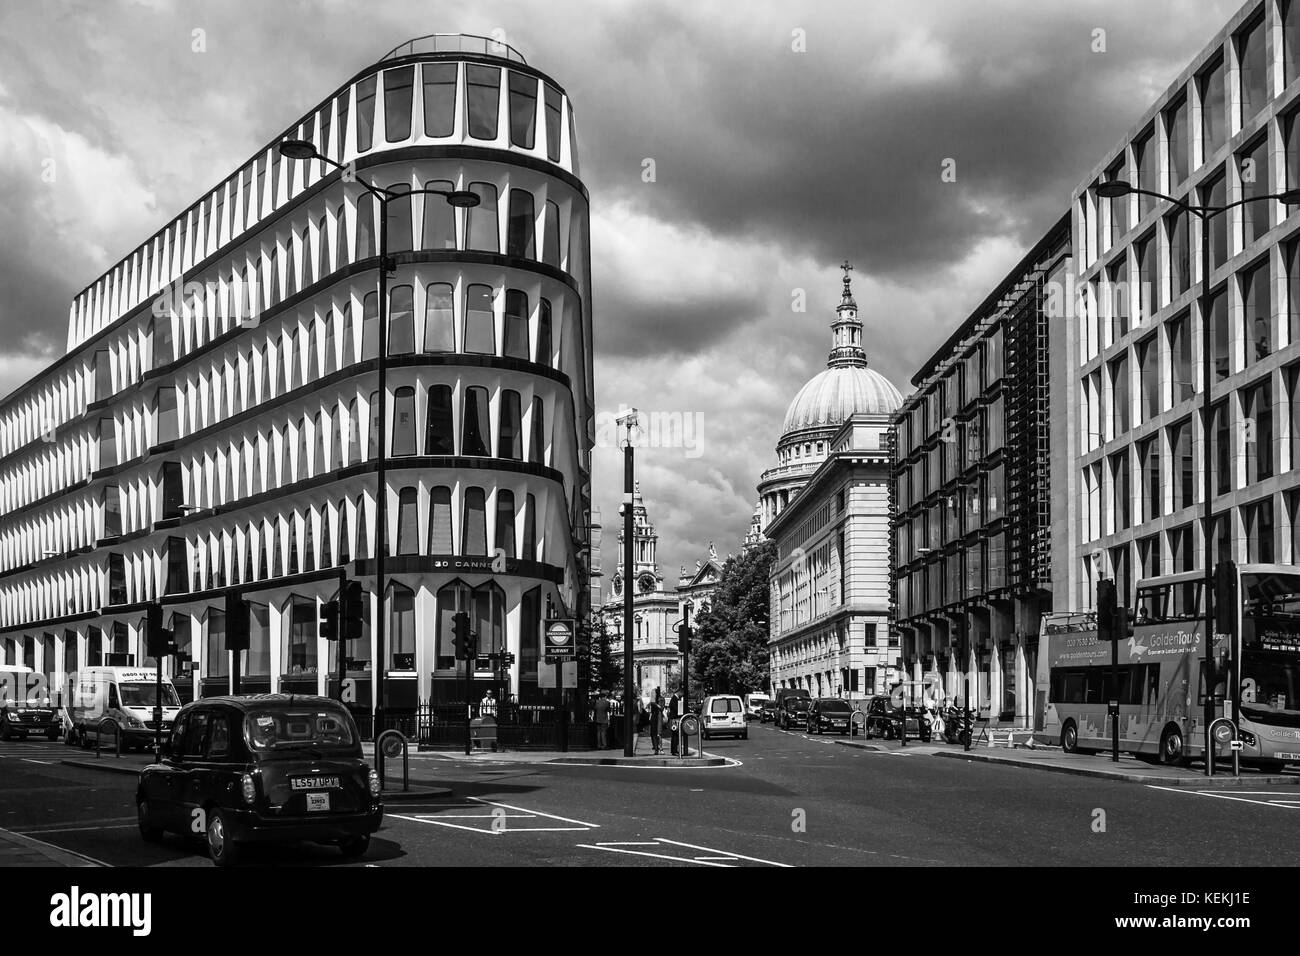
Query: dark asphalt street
{"type": "Point", "coordinates": [793, 801]}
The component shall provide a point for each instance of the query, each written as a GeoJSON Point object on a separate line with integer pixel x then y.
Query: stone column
{"type": "Point", "coordinates": [1024, 692]}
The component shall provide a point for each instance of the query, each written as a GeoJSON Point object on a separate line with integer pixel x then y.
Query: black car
{"type": "Point", "coordinates": [793, 713]}
{"type": "Point", "coordinates": [830, 715]}
{"type": "Point", "coordinates": [767, 713]}
{"type": "Point", "coordinates": [262, 768]}
{"type": "Point", "coordinates": [886, 720]}
{"type": "Point", "coordinates": [27, 720]}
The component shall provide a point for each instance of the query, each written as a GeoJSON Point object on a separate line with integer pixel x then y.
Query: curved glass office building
{"type": "Point", "coordinates": [214, 423]}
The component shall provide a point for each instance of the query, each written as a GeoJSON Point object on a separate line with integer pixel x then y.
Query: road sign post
{"type": "Point", "coordinates": [559, 646]}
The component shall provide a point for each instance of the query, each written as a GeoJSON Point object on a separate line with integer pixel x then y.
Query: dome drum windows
{"type": "Point", "coordinates": [482, 100]}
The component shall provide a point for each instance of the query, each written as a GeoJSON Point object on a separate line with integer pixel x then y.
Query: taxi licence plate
{"type": "Point", "coordinates": [313, 783]}
{"type": "Point", "coordinates": [318, 801]}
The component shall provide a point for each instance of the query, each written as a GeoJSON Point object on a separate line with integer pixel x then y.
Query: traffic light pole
{"type": "Point", "coordinates": [629, 704]}
{"type": "Point", "coordinates": [1114, 693]}
{"type": "Point", "coordinates": [1207, 406]}
{"type": "Point", "coordinates": [381, 475]}
{"type": "Point", "coordinates": [157, 706]}
{"type": "Point", "coordinates": [686, 671]}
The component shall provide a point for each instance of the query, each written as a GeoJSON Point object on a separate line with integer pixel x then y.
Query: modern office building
{"type": "Point", "coordinates": [826, 505]}
{"type": "Point", "coordinates": [213, 425]}
{"type": "Point", "coordinates": [973, 527]}
{"type": "Point", "coordinates": [1226, 129]}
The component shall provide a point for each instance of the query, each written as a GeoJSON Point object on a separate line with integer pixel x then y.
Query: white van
{"type": "Point", "coordinates": [754, 705]}
{"type": "Point", "coordinates": [128, 695]}
{"type": "Point", "coordinates": [724, 714]}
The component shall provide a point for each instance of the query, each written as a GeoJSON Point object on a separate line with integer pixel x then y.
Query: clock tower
{"type": "Point", "coordinates": [645, 576]}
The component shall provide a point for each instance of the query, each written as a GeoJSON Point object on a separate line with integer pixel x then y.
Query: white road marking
{"type": "Point", "coordinates": [738, 856]}
{"type": "Point", "coordinates": [657, 856]}
{"type": "Point", "coordinates": [491, 816]}
{"type": "Point", "coordinates": [712, 857]}
{"type": "Point", "coordinates": [1286, 803]}
{"type": "Point", "coordinates": [47, 763]}
{"type": "Point", "coordinates": [116, 826]}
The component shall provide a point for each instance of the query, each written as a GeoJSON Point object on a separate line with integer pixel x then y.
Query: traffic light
{"type": "Point", "coordinates": [237, 622]}
{"type": "Point", "coordinates": [329, 620]}
{"type": "Point", "coordinates": [1225, 597]}
{"type": "Point", "coordinates": [352, 612]}
{"type": "Point", "coordinates": [684, 633]}
{"type": "Point", "coordinates": [461, 638]}
{"type": "Point", "coordinates": [159, 642]}
{"type": "Point", "coordinates": [1107, 610]}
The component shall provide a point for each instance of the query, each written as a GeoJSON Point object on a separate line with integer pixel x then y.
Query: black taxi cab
{"type": "Point", "coordinates": [262, 768]}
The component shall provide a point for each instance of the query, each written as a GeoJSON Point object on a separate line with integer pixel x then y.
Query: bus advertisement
{"type": "Point", "coordinates": [1161, 688]}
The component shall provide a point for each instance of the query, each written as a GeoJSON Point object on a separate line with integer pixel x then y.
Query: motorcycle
{"type": "Point", "coordinates": [956, 728]}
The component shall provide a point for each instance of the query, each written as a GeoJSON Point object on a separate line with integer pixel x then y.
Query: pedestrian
{"type": "Point", "coordinates": [657, 720]}
{"type": "Point", "coordinates": [487, 707]}
{"type": "Point", "coordinates": [674, 721]}
{"type": "Point", "coordinates": [601, 709]}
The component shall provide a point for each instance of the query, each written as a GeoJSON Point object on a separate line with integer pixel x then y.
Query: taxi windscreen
{"type": "Point", "coordinates": [287, 729]}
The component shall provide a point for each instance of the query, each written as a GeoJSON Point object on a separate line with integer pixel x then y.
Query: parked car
{"type": "Point", "coordinates": [754, 705]}
{"type": "Point", "coordinates": [793, 713]}
{"type": "Point", "coordinates": [20, 721]}
{"type": "Point", "coordinates": [767, 713]}
{"type": "Point", "coordinates": [781, 694]}
{"type": "Point", "coordinates": [724, 714]}
{"type": "Point", "coordinates": [829, 714]}
{"type": "Point", "coordinates": [262, 768]}
{"type": "Point", "coordinates": [885, 720]}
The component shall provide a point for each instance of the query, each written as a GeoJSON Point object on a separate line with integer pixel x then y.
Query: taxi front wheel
{"type": "Point", "coordinates": [223, 850]}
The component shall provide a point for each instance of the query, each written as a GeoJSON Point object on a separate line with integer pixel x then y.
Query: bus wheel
{"type": "Point", "coordinates": [1171, 747]}
{"type": "Point", "coordinates": [1070, 737]}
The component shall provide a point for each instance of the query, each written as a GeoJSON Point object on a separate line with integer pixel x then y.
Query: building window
{"type": "Point", "coordinates": [520, 225]}
{"type": "Point", "coordinates": [482, 229]}
{"type": "Point", "coordinates": [439, 430]}
{"type": "Point", "coordinates": [401, 321]}
{"type": "Point", "coordinates": [440, 521]}
{"type": "Point", "coordinates": [1219, 335]}
{"type": "Point", "coordinates": [551, 236]}
{"type": "Point", "coordinates": [1254, 70]}
{"type": "Point", "coordinates": [365, 226]}
{"type": "Point", "coordinates": [1180, 355]}
{"type": "Point", "coordinates": [1259, 531]}
{"type": "Point", "coordinates": [112, 511]}
{"type": "Point", "coordinates": [1259, 432]}
{"type": "Point", "coordinates": [1149, 556]}
{"type": "Point", "coordinates": [166, 419]}
{"type": "Point", "coordinates": [1257, 314]}
{"type": "Point", "coordinates": [439, 219]}
{"type": "Point", "coordinates": [1148, 296]}
{"type": "Point", "coordinates": [480, 322]}
{"type": "Point", "coordinates": [370, 326]}
{"type": "Point", "coordinates": [1122, 504]}
{"type": "Point", "coordinates": [365, 113]}
{"type": "Point", "coordinates": [505, 524]}
{"type": "Point", "coordinates": [516, 325]}
{"type": "Point", "coordinates": [398, 89]}
{"type": "Point", "coordinates": [523, 109]}
{"type": "Point", "coordinates": [1176, 130]}
{"type": "Point", "coordinates": [1214, 112]}
{"type": "Point", "coordinates": [510, 440]}
{"type": "Point", "coordinates": [1149, 378]}
{"type": "Point", "coordinates": [398, 208]}
{"type": "Point", "coordinates": [107, 443]}
{"type": "Point", "coordinates": [299, 656]}
{"type": "Point", "coordinates": [482, 99]}
{"type": "Point", "coordinates": [216, 657]}
{"type": "Point", "coordinates": [1180, 275]}
{"type": "Point", "coordinates": [476, 432]}
{"type": "Point", "coordinates": [439, 318]}
{"type": "Point", "coordinates": [1222, 449]}
{"type": "Point", "coordinates": [552, 124]}
{"type": "Point", "coordinates": [452, 598]}
{"type": "Point", "coordinates": [1214, 193]}
{"type": "Point", "coordinates": [408, 522]}
{"type": "Point", "coordinates": [1180, 450]}
{"type": "Point", "coordinates": [1148, 173]}
{"type": "Point", "coordinates": [474, 523]}
{"type": "Point", "coordinates": [1252, 164]}
{"type": "Point", "coordinates": [1119, 389]}
{"type": "Point", "coordinates": [544, 332]}
{"type": "Point", "coordinates": [439, 81]}
{"type": "Point", "coordinates": [164, 351]}
{"type": "Point", "coordinates": [528, 550]}
{"type": "Point", "coordinates": [1149, 463]}
{"type": "Point", "coordinates": [401, 621]}
{"type": "Point", "coordinates": [1119, 205]}
{"type": "Point", "coordinates": [404, 422]}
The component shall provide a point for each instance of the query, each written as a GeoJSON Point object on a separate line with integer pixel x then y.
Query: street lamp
{"type": "Point", "coordinates": [300, 149]}
{"type": "Point", "coordinates": [1117, 189]}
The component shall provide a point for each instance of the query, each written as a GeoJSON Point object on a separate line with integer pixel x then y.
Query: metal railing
{"type": "Point", "coordinates": [455, 43]}
{"type": "Point", "coordinates": [99, 734]}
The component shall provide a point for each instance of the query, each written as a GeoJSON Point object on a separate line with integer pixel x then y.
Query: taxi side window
{"type": "Point", "coordinates": [178, 735]}
{"type": "Point", "coordinates": [219, 737]}
{"type": "Point", "coordinates": [196, 736]}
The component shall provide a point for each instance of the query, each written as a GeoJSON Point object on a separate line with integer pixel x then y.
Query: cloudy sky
{"type": "Point", "coordinates": [785, 137]}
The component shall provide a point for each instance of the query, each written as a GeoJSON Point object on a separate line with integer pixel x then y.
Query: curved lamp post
{"type": "Point", "coordinates": [299, 149]}
{"type": "Point", "coordinates": [1117, 189]}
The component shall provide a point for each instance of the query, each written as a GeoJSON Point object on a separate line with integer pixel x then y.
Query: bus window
{"type": "Point", "coordinates": [1094, 686]}
{"type": "Point", "coordinates": [1186, 601]}
{"type": "Point", "coordinates": [1153, 683]}
{"type": "Point", "coordinates": [1151, 603]}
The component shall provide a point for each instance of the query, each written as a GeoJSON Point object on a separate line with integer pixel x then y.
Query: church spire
{"type": "Point", "coordinates": [846, 330]}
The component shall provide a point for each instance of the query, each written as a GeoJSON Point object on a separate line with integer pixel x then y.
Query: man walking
{"type": "Point", "coordinates": [487, 707]}
{"type": "Point", "coordinates": [657, 720]}
{"type": "Point", "coordinates": [601, 708]}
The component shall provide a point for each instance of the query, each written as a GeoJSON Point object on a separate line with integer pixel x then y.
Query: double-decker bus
{"type": "Point", "coordinates": [1161, 689]}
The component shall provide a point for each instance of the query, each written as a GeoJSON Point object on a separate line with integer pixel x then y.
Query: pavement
{"type": "Point", "coordinates": [19, 850]}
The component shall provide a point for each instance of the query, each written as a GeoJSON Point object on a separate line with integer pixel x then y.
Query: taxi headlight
{"type": "Point", "coordinates": [248, 787]}
{"type": "Point", "coordinates": [374, 783]}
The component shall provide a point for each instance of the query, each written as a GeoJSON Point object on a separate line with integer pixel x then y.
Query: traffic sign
{"type": "Point", "coordinates": [559, 638]}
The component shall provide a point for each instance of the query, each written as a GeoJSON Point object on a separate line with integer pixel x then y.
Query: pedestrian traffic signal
{"type": "Point", "coordinates": [684, 633]}
{"type": "Point", "coordinates": [352, 612]}
{"type": "Point", "coordinates": [1225, 597]}
{"type": "Point", "coordinates": [329, 620]}
{"type": "Point", "coordinates": [238, 622]}
{"type": "Point", "coordinates": [1107, 602]}
{"type": "Point", "coordinates": [159, 642]}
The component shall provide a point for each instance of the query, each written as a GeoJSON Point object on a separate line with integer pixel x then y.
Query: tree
{"type": "Point", "coordinates": [729, 654]}
{"type": "Point", "coordinates": [606, 671]}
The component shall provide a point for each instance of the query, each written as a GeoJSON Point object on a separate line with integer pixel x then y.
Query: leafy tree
{"type": "Point", "coordinates": [729, 654]}
{"type": "Point", "coordinates": [605, 669]}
